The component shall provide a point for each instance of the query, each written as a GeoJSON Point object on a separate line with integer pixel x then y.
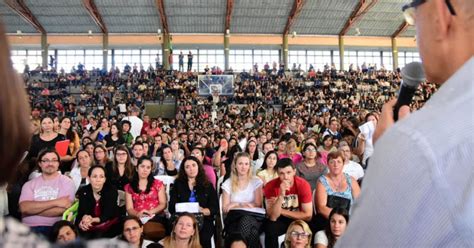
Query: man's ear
{"type": "Point", "coordinates": [443, 19]}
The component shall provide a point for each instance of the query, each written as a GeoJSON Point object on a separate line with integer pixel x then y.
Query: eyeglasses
{"type": "Point", "coordinates": [121, 154]}
{"type": "Point", "coordinates": [310, 149]}
{"type": "Point", "coordinates": [99, 151]}
{"type": "Point", "coordinates": [131, 229]}
{"type": "Point", "coordinates": [49, 161]}
{"type": "Point", "coordinates": [409, 10]}
{"type": "Point", "coordinates": [300, 235]}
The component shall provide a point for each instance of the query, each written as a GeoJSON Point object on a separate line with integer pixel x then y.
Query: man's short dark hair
{"type": "Point", "coordinates": [284, 162]}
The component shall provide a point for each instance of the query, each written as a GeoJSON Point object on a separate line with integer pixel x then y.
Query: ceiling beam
{"type": "Point", "coordinates": [400, 29]}
{"type": "Point", "coordinates": [164, 20]}
{"type": "Point", "coordinates": [228, 14]}
{"type": "Point", "coordinates": [95, 14]}
{"type": "Point", "coordinates": [295, 11]}
{"type": "Point", "coordinates": [360, 10]}
{"type": "Point", "coordinates": [19, 7]}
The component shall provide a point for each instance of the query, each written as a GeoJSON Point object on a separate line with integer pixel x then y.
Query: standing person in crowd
{"type": "Point", "coordinates": [135, 121]}
{"type": "Point", "coordinates": [190, 61]}
{"type": "Point", "coordinates": [181, 61]}
{"type": "Point", "coordinates": [242, 193]}
{"type": "Point", "coordinates": [298, 235]}
{"type": "Point", "coordinates": [335, 189]}
{"type": "Point", "coordinates": [132, 232]}
{"type": "Point", "coordinates": [191, 185]}
{"type": "Point", "coordinates": [184, 233]}
{"type": "Point", "coordinates": [79, 174]}
{"type": "Point", "coordinates": [310, 168]}
{"type": "Point", "coordinates": [44, 198]}
{"type": "Point", "coordinates": [97, 214]}
{"type": "Point", "coordinates": [268, 171]}
{"type": "Point", "coordinates": [436, 166]}
{"type": "Point", "coordinates": [287, 198]}
{"type": "Point", "coordinates": [338, 220]}
{"type": "Point", "coordinates": [145, 198]}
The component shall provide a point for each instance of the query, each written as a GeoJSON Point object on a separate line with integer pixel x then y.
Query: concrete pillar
{"type": "Point", "coordinates": [226, 51]}
{"type": "Point", "coordinates": [166, 51]}
{"type": "Point", "coordinates": [285, 51]}
{"type": "Point", "coordinates": [44, 51]}
{"type": "Point", "coordinates": [341, 52]}
{"type": "Point", "coordinates": [105, 50]}
{"type": "Point", "coordinates": [394, 54]}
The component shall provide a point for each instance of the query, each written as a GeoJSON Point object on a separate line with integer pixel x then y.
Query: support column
{"type": "Point", "coordinates": [394, 54]}
{"type": "Point", "coordinates": [285, 51]}
{"type": "Point", "coordinates": [105, 50]}
{"type": "Point", "coordinates": [44, 51]}
{"type": "Point", "coordinates": [341, 53]}
{"type": "Point", "coordinates": [166, 51]}
{"type": "Point", "coordinates": [226, 52]}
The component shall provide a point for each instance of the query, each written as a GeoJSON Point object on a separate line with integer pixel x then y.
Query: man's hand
{"type": "Point", "coordinates": [386, 118]}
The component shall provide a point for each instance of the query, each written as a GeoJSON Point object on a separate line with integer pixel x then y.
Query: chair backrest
{"type": "Point", "coordinates": [218, 186]}
{"type": "Point", "coordinates": [314, 202]}
{"type": "Point", "coordinates": [71, 213]}
{"type": "Point", "coordinates": [221, 212]}
{"type": "Point", "coordinates": [167, 181]}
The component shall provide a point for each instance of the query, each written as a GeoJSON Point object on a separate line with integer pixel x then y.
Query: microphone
{"type": "Point", "coordinates": [412, 75]}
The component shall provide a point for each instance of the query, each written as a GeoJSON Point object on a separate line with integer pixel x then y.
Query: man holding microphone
{"type": "Point", "coordinates": [419, 188]}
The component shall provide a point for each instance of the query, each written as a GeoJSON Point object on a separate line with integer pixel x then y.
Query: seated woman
{"type": "Point", "coordinates": [145, 198]}
{"type": "Point", "coordinates": [79, 174]}
{"type": "Point", "coordinates": [326, 147]}
{"type": "Point", "coordinates": [132, 232]}
{"type": "Point", "coordinates": [208, 169]}
{"type": "Point", "coordinates": [243, 192]}
{"type": "Point", "coordinates": [335, 189]}
{"type": "Point", "coordinates": [101, 156]}
{"type": "Point", "coordinates": [193, 186]}
{"type": "Point", "coordinates": [338, 220]}
{"type": "Point", "coordinates": [310, 168]}
{"type": "Point", "coordinates": [184, 233]}
{"type": "Point", "coordinates": [63, 232]}
{"type": "Point", "coordinates": [121, 171]}
{"type": "Point", "coordinates": [298, 235]}
{"type": "Point", "coordinates": [97, 214]}
{"type": "Point", "coordinates": [114, 137]}
{"type": "Point", "coordinates": [291, 152]}
{"type": "Point", "coordinates": [268, 171]}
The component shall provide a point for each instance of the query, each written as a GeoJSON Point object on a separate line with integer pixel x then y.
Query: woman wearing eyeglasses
{"type": "Point", "coordinates": [310, 168]}
{"type": "Point", "coordinates": [298, 235]}
{"type": "Point", "coordinates": [338, 220]}
{"type": "Point", "coordinates": [132, 232]}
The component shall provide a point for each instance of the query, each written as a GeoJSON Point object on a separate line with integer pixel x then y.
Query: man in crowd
{"type": "Point", "coordinates": [288, 198]}
{"type": "Point", "coordinates": [419, 188]}
{"type": "Point", "coordinates": [44, 199]}
{"type": "Point", "coordinates": [136, 122]}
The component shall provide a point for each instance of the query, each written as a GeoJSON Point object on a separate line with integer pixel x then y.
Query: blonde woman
{"type": "Point", "coordinates": [291, 152]}
{"type": "Point", "coordinates": [242, 200]}
{"type": "Point", "coordinates": [298, 235]}
{"type": "Point", "coordinates": [185, 233]}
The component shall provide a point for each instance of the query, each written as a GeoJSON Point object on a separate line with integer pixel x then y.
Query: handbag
{"type": "Point", "coordinates": [335, 201]}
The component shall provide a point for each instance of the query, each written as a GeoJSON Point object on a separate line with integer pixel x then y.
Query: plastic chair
{"type": "Point", "coordinates": [71, 213]}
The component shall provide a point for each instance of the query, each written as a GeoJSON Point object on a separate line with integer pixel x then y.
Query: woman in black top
{"type": "Point", "coordinates": [47, 138]}
{"type": "Point", "coordinates": [121, 171]}
{"type": "Point", "coordinates": [98, 214]}
{"type": "Point", "coordinates": [115, 137]}
{"type": "Point", "coordinates": [192, 186]}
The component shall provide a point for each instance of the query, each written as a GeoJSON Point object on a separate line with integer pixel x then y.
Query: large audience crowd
{"type": "Point", "coordinates": [279, 161]}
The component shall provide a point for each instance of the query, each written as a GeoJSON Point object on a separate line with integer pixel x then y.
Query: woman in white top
{"type": "Point", "coordinates": [79, 174]}
{"type": "Point", "coordinates": [338, 220]}
{"type": "Point", "coordinates": [243, 192]}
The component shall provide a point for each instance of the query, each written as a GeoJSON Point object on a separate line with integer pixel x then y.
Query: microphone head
{"type": "Point", "coordinates": [413, 74]}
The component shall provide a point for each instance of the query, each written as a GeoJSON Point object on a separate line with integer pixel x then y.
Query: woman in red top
{"type": "Point", "coordinates": [145, 198]}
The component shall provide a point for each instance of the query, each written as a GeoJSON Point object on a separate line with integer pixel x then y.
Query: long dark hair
{"type": "Point", "coordinates": [128, 172]}
{"type": "Point", "coordinates": [201, 178]}
{"type": "Point", "coordinates": [135, 179]}
{"type": "Point", "coordinates": [264, 165]}
{"type": "Point", "coordinates": [255, 154]}
{"type": "Point", "coordinates": [69, 133]}
{"type": "Point", "coordinates": [329, 234]}
{"type": "Point", "coordinates": [53, 235]}
{"type": "Point", "coordinates": [139, 222]}
{"type": "Point", "coordinates": [119, 130]}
